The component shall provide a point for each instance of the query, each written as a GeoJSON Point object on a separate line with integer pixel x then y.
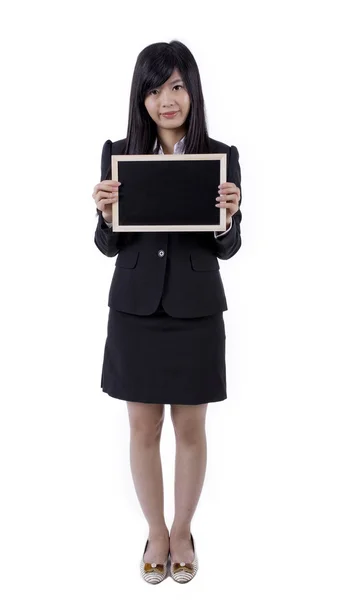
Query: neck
{"type": "Point", "coordinates": [169, 137]}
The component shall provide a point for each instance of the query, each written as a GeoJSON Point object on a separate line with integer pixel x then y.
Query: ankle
{"type": "Point", "coordinates": [180, 530]}
{"type": "Point", "coordinates": [158, 532]}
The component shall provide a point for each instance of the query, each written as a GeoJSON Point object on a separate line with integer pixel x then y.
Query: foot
{"type": "Point", "coordinates": [157, 549]}
{"type": "Point", "coordinates": [181, 549]}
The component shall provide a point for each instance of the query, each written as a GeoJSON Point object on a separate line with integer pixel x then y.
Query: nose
{"type": "Point", "coordinates": [168, 106]}
{"type": "Point", "coordinates": [166, 100]}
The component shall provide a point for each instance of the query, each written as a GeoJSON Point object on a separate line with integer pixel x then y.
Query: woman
{"type": "Point", "coordinates": [165, 336]}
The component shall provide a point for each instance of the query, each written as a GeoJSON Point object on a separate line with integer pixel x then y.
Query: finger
{"type": "Point", "coordinates": [102, 191]}
{"type": "Point", "coordinates": [101, 204]}
{"type": "Point", "coordinates": [223, 197]}
{"type": "Point", "coordinates": [106, 185]}
{"type": "Point", "coordinates": [227, 184]}
{"type": "Point", "coordinates": [227, 190]}
{"type": "Point", "coordinates": [226, 204]}
{"type": "Point", "coordinates": [111, 181]}
{"type": "Point", "coordinates": [103, 196]}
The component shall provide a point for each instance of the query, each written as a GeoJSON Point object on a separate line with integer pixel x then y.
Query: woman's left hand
{"type": "Point", "coordinates": [229, 196]}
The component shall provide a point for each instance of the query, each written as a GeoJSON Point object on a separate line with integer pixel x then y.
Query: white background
{"type": "Point", "coordinates": [266, 524]}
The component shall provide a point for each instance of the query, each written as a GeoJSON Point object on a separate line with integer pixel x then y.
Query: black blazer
{"type": "Point", "coordinates": [180, 267]}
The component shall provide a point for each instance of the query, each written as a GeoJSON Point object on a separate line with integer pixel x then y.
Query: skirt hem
{"type": "Point", "coordinates": [118, 397]}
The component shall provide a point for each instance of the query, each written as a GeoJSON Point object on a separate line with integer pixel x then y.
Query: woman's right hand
{"type": "Point", "coordinates": [105, 194]}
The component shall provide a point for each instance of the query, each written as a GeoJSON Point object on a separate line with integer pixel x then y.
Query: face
{"type": "Point", "coordinates": [172, 96]}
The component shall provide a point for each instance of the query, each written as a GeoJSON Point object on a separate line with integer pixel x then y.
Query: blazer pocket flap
{"type": "Point", "coordinates": [204, 262]}
{"type": "Point", "coordinates": [127, 258]}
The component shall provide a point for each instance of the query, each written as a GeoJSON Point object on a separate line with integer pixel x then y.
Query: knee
{"type": "Point", "coordinates": [190, 432]}
{"type": "Point", "coordinates": [146, 425]}
{"type": "Point", "coordinates": [146, 432]}
{"type": "Point", "coordinates": [189, 423]}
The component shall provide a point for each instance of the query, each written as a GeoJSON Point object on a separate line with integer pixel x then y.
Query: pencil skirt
{"type": "Point", "coordinates": [160, 359]}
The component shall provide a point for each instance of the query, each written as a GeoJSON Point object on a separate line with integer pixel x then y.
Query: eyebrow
{"type": "Point", "coordinates": [172, 82]}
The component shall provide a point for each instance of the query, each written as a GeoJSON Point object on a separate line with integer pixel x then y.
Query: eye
{"type": "Point", "coordinates": [175, 86]}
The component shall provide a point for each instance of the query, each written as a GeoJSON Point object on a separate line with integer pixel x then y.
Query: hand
{"type": "Point", "coordinates": [229, 196]}
{"type": "Point", "coordinates": [105, 194]}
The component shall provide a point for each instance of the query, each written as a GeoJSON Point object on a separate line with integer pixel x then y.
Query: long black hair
{"type": "Point", "coordinates": [153, 67]}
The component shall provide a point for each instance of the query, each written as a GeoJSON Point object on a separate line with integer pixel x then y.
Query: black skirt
{"type": "Point", "coordinates": [164, 360]}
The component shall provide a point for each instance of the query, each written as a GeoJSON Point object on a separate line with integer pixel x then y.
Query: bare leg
{"type": "Point", "coordinates": [146, 421]}
{"type": "Point", "coordinates": [190, 467]}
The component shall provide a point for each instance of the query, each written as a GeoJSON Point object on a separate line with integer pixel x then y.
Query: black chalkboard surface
{"type": "Point", "coordinates": [168, 192]}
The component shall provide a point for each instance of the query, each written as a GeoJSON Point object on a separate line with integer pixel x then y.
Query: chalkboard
{"type": "Point", "coordinates": [168, 192]}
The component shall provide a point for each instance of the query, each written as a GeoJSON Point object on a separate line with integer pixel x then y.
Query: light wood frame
{"type": "Point", "coordinates": [118, 158]}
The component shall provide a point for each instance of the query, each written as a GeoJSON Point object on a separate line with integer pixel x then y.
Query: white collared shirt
{"type": "Point", "coordinates": [179, 149]}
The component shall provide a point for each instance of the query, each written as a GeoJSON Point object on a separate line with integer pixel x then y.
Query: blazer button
{"type": "Point", "coordinates": [161, 253]}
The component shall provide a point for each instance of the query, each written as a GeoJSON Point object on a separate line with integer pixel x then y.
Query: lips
{"type": "Point", "coordinates": [169, 114]}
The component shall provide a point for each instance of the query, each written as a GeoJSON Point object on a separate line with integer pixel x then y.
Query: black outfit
{"type": "Point", "coordinates": [165, 336]}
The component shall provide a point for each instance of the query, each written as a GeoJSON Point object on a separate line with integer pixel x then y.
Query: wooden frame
{"type": "Point", "coordinates": [186, 183]}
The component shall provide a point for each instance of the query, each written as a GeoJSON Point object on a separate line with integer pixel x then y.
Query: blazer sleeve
{"type": "Point", "coordinates": [226, 246]}
{"type": "Point", "coordinates": [107, 241]}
